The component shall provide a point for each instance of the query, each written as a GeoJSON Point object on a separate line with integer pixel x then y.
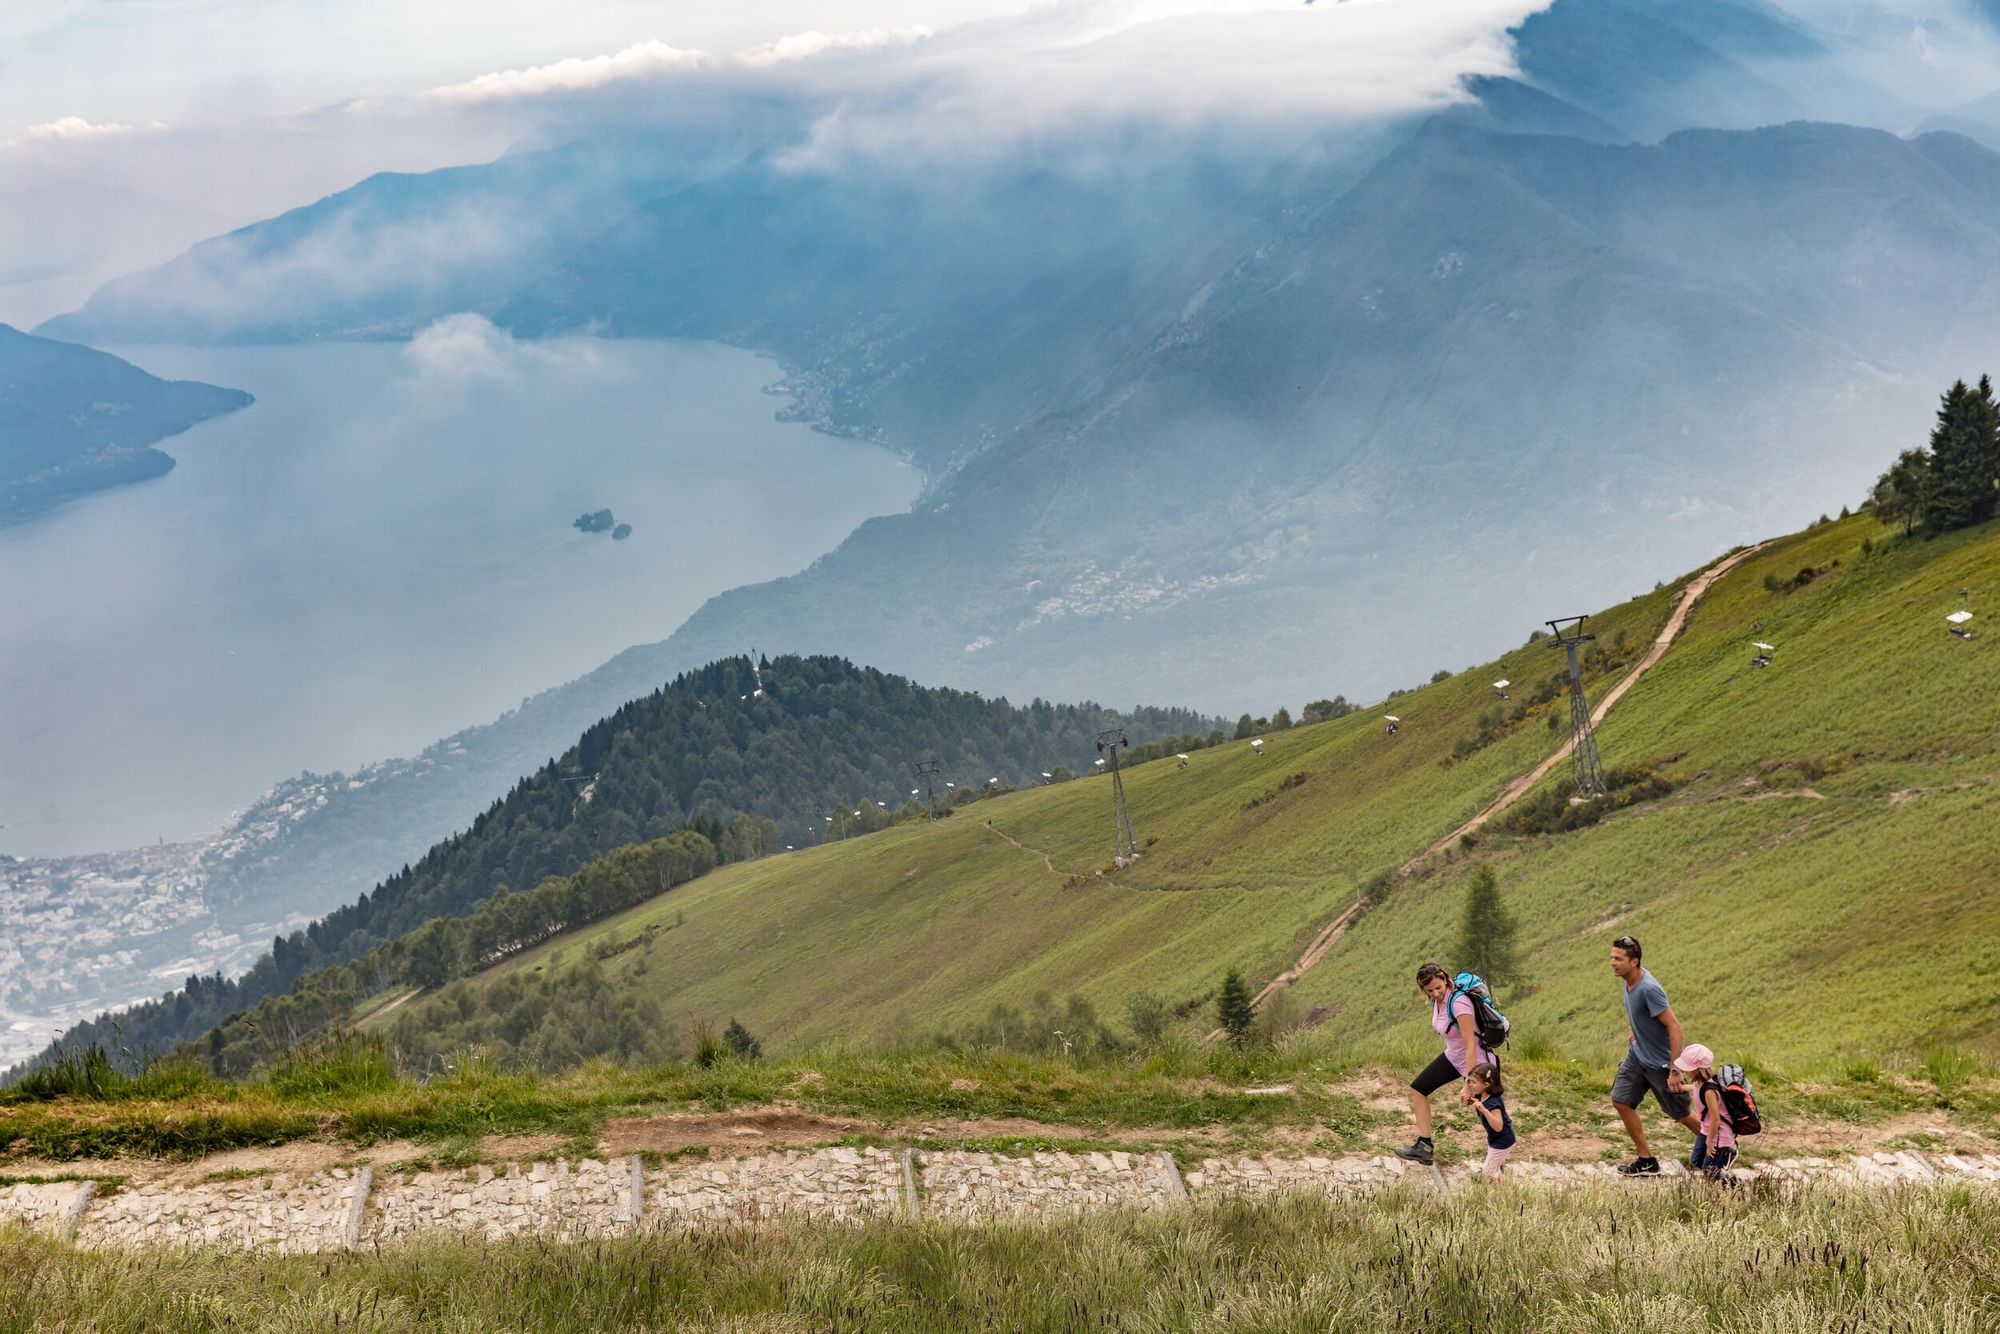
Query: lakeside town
{"type": "Point", "coordinates": [83, 934]}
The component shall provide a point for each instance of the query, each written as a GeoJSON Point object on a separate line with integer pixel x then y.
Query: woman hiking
{"type": "Point", "coordinates": [1452, 1017]}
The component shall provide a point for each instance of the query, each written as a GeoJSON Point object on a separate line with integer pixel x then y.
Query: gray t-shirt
{"type": "Point", "coordinates": [1644, 1004]}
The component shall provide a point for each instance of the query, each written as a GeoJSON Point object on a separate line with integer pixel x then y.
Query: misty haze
{"type": "Point", "coordinates": [380, 552]}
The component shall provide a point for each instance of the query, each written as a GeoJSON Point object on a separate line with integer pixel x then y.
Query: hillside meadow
{"type": "Point", "coordinates": [1596, 1259]}
{"type": "Point", "coordinates": [1817, 889]}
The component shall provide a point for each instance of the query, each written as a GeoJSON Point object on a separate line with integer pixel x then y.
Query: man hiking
{"type": "Point", "coordinates": [1649, 1059]}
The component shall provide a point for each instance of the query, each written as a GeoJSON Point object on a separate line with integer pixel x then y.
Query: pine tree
{"type": "Point", "coordinates": [1246, 727]}
{"type": "Point", "coordinates": [741, 1044]}
{"type": "Point", "coordinates": [1987, 432]}
{"type": "Point", "coordinates": [1489, 945]}
{"type": "Point", "coordinates": [1232, 1008]}
{"type": "Point", "coordinates": [1961, 486]}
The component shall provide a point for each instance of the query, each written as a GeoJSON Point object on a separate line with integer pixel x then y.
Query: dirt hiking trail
{"type": "Point", "coordinates": [1329, 936]}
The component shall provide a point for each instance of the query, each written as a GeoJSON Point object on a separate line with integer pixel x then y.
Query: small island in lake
{"type": "Point", "coordinates": [600, 521]}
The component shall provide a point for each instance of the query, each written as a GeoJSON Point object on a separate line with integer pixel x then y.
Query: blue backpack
{"type": "Point", "coordinates": [1487, 1021]}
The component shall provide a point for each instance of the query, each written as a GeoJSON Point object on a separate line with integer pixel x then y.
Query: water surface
{"type": "Point", "coordinates": [378, 553]}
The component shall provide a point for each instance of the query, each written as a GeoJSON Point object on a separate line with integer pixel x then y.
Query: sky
{"type": "Point", "coordinates": [130, 129]}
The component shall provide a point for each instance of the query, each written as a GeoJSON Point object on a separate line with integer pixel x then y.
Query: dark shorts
{"type": "Point", "coordinates": [1719, 1161]}
{"type": "Point", "coordinates": [1634, 1081]}
{"type": "Point", "coordinates": [1441, 1072]}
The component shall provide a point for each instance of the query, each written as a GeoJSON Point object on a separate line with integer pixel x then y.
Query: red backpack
{"type": "Point", "coordinates": [1739, 1104]}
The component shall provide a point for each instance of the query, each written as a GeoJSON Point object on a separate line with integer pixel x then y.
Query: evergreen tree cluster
{"type": "Point", "coordinates": [445, 949]}
{"type": "Point", "coordinates": [749, 756]}
{"type": "Point", "coordinates": [1955, 481]}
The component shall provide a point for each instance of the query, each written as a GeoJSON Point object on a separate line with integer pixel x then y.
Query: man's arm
{"type": "Point", "coordinates": [1674, 1039]}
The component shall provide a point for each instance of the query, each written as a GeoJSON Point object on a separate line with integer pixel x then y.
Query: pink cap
{"type": "Point", "coordinates": [1694, 1057]}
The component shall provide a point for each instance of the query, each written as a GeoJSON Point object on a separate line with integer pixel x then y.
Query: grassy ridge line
{"type": "Point", "coordinates": [1499, 1260]}
{"type": "Point", "coordinates": [887, 937]}
{"type": "Point", "coordinates": [1817, 892]}
{"type": "Point", "coordinates": [1331, 934]}
{"type": "Point", "coordinates": [1820, 893]}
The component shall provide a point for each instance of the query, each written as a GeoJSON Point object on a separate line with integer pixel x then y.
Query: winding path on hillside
{"type": "Point", "coordinates": [1329, 935]}
{"type": "Point", "coordinates": [1047, 860]}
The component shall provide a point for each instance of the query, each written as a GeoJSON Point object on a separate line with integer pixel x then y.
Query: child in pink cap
{"type": "Point", "coordinates": [1715, 1144]}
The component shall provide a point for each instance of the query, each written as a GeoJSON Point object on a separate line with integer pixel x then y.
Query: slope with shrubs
{"type": "Point", "coordinates": [746, 754]}
{"type": "Point", "coordinates": [1815, 887]}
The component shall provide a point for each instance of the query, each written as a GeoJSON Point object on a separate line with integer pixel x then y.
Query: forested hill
{"type": "Point", "coordinates": [753, 755]}
{"type": "Point", "coordinates": [75, 420]}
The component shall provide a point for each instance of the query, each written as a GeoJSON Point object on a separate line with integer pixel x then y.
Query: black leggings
{"type": "Point", "coordinates": [1441, 1072]}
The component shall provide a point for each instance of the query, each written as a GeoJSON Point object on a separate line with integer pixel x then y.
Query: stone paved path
{"type": "Point", "coordinates": [344, 1208]}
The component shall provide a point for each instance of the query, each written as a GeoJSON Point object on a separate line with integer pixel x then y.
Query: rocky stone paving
{"type": "Point", "coordinates": [982, 1185]}
{"type": "Point", "coordinates": [836, 1184]}
{"type": "Point", "coordinates": [587, 1199]}
{"type": "Point", "coordinates": [346, 1207]}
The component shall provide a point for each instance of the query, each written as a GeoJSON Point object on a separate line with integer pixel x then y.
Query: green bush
{"type": "Point", "coordinates": [342, 1062]}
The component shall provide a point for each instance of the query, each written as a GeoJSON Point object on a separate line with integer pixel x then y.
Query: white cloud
{"type": "Point", "coordinates": [75, 127]}
{"type": "Point", "coordinates": [804, 45]}
{"type": "Point", "coordinates": [468, 346]}
{"type": "Point", "coordinates": [1094, 62]}
{"type": "Point", "coordinates": [460, 346]}
{"type": "Point", "coordinates": [575, 74]}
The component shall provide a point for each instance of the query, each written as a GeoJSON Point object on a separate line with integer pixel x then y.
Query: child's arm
{"type": "Point", "coordinates": [1711, 1120]}
{"type": "Point", "coordinates": [1492, 1118]}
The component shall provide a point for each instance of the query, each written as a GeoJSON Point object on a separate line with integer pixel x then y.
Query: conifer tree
{"type": "Point", "coordinates": [741, 1045]}
{"type": "Point", "coordinates": [1987, 431]}
{"type": "Point", "coordinates": [1961, 483]}
{"type": "Point", "coordinates": [1232, 1008]}
{"type": "Point", "coordinates": [1246, 727]}
{"type": "Point", "coordinates": [1489, 945]}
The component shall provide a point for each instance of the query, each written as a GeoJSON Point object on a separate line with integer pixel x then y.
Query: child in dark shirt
{"type": "Point", "coordinates": [1484, 1091]}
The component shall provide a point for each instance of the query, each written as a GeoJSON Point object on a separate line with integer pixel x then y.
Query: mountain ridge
{"type": "Point", "coordinates": [74, 420]}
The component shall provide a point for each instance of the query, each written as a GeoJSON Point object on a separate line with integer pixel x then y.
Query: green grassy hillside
{"type": "Point", "coordinates": [1818, 889]}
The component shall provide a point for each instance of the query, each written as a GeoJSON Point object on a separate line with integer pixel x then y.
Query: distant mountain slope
{"type": "Point", "coordinates": [785, 745]}
{"type": "Point", "coordinates": [1429, 402]}
{"type": "Point", "coordinates": [75, 420]}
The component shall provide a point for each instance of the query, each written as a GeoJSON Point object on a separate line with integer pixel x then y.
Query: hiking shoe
{"type": "Point", "coordinates": [1422, 1152]}
{"type": "Point", "coordinates": [1638, 1167]}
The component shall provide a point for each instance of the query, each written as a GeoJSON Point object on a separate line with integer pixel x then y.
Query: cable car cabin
{"type": "Point", "coordinates": [1764, 652]}
{"type": "Point", "coordinates": [1500, 688]}
{"type": "Point", "coordinates": [1958, 626]}
{"type": "Point", "coordinates": [1394, 723]}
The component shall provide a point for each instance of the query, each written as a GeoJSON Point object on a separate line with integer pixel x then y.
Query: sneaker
{"type": "Point", "coordinates": [1638, 1167]}
{"type": "Point", "coordinates": [1420, 1152]}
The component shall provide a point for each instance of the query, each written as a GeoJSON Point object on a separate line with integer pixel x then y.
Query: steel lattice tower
{"type": "Point", "coordinates": [1126, 846]}
{"type": "Point", "coordinates": [928, 772]}
{"type": "Point", "coordinates": [1584, 759]}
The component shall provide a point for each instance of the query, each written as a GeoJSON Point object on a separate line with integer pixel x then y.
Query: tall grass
{"type": "Point", "coordinates": [1499, 1259]}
